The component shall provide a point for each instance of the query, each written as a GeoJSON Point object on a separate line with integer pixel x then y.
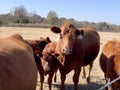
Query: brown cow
{"type": "Point", "coordinates": [89, 65]}
{"type": "Point", "coordinates": [49, 61]}
{"type": "Point", "coordinates": [109, 62]}
{"type": "Point", "coordinates": [38, 46]}
{"type": "Point", "coordinates": [18, 70]}
{"type": "Point", "coordinates": [76, 48]}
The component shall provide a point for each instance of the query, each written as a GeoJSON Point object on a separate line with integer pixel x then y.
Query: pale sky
{"type": "Point", "coordinates": [81, 10]}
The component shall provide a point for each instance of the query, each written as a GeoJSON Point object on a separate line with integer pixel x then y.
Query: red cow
{"type": "Point", "coordinates": [18, 70]}
{"type": "Point", "coordinates": [38, 46]}
{"type": "Point", "coordinates": [49, 61]}
{"type": "Point", "coordinates": [110, 63]}
{"type": "Point", "coordinates": [76, 48]}
{"type": "Point", "coordinates": [90, 65]}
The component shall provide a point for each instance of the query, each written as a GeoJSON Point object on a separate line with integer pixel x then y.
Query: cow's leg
{"type": "Point", "coordinates": [90, 68]}
{"type": "Point", "coordinates": [40, 69]}
{"type": "Point", "coordinates": [50, 78]}
{"type": "Point", "coordinates": [84, 73]}
{"type": "Point", "coordinates": [55, 76]}
{"type": "Point", "coordinates": [63, 77]}
{"type": "Point", "coordinates": [55, 73]}
{"type": "Point", "coordinates": [76, 78]}
{"type": "Point", "coordinates": [41, 81]}
{"type": "Point", "coordinates": [41, 73]}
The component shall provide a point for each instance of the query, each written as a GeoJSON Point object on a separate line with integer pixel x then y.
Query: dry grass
{"type": "Point", "coordinates": [97, 78]}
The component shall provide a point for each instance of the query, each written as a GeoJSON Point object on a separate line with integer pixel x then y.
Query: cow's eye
{"type": "Point", "coordinates": [66, 32]}
{"type": "Point", "coordinates": [60, 35]}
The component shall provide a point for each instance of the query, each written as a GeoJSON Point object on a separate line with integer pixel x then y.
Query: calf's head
{"type": "Point", "coordinates": [68, 36]}
{"type": "Point", "coordinates": [48, 60]}
{"type": "Point", "coordinates": [48, 57]}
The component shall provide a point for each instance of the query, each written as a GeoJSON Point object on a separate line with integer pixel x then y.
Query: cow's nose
{"type": "Point", "coordinates": [46, 68]}
{"type": "Point", "coordinates": [67, 51]}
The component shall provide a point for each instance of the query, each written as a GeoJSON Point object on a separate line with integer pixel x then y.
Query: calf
{"type": "Point", "coordinates": [110, 63]}
{"type": "Point", "coordinates": [49, 61]}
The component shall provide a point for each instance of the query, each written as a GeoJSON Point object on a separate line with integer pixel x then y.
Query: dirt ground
{"type": "Point", "coordinates": [97, 78]}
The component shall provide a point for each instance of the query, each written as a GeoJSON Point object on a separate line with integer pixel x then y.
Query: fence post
{"type": "Point", "coordinates": [109, 83]}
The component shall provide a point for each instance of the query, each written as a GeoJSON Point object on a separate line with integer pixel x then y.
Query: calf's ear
{"type": "Point", "coordinates": [56, 55]}
{"type": "Point", "coordinates": [55, 29]}
{"type": "Point", "coordinates": [38, 53]}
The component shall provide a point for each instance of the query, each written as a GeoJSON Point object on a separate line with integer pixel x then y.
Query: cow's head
{"type": "Point", "coordinates": [68, 36]}
{"type": "Point", "coordinates": [42, 42]}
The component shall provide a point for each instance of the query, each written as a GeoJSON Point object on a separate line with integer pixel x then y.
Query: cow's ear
{"type": "Point", "coordinates": [48, 39]}
{"type": "Point", "coordinates": [79, 32]}
{"type": "Point", "coordinates": [82, 32]}
{"type": "Point", "coordinates": [55, 29]}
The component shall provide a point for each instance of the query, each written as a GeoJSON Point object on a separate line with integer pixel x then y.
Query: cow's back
{"type": "Point", "coordinates": [91, 44]}
{"type": "Point", "coordinates": [109, 62]}
{"type": "Point", "coordinates": [110, 57]}
{"type": "Point", "coordinates": [17, 66]}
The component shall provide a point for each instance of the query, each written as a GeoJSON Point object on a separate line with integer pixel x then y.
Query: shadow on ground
{"type": "Point", "coordinates": [89, 86]}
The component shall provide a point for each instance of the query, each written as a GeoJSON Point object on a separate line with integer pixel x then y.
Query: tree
{"type": "Point", "coordinates": [52, 18]}
{"type": "Point", "coordinates": [61, 21]}
{"type": "Point", "coordinates": [103, 26]}
{"type": "Point", "coordinates": [20, 14]}
{"type": "Point", "coordinates": [1, 23]}
{"type": "Point", "coordinates": [35, 18]}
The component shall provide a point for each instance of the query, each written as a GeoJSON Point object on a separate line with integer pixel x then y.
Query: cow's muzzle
{"type": "Point", "coordinates": [66, 51]}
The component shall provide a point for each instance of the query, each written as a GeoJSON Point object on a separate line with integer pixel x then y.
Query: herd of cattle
{"type": "Point", "coordinates": [21, 59]}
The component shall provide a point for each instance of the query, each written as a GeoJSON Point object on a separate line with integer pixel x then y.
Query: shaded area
{"type": "Point", "coordinates": [88, 86]}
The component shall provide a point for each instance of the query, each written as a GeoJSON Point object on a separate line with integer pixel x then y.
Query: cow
{"type": "Point", "coordinates": [49, 61]}
{"type": "Point", "coordinates": [90, 66]}
{"type": "Point", "coordinates": [38, 46]}
{"type": "Point", "coordinates": [109, 63]}
{"type": "Point", "coordinates": [18, 70]}
{"type": "Point", "coordinates": [76, 48]}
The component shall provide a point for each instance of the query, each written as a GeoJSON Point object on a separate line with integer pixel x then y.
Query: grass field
{"type": "Point", "coordinates": [97, 78]}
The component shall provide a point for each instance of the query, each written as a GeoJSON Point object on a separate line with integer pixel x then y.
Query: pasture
{"type": "Point", "coordinates": [97, 77]}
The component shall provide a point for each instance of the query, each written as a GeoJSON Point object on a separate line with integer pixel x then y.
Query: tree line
{"type": "Point", "coordinates": [19, 16]}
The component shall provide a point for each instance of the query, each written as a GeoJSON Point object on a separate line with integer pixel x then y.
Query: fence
{"type": "Point", "coordinates": [109, 83]}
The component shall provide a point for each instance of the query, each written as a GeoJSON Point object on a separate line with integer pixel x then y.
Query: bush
{"type": "Point", "coordinates": [17, 21]}
{"type": "Point", "coordinates": [1, 23]}
{"type": "Point", "coordinates": [25, 21]}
